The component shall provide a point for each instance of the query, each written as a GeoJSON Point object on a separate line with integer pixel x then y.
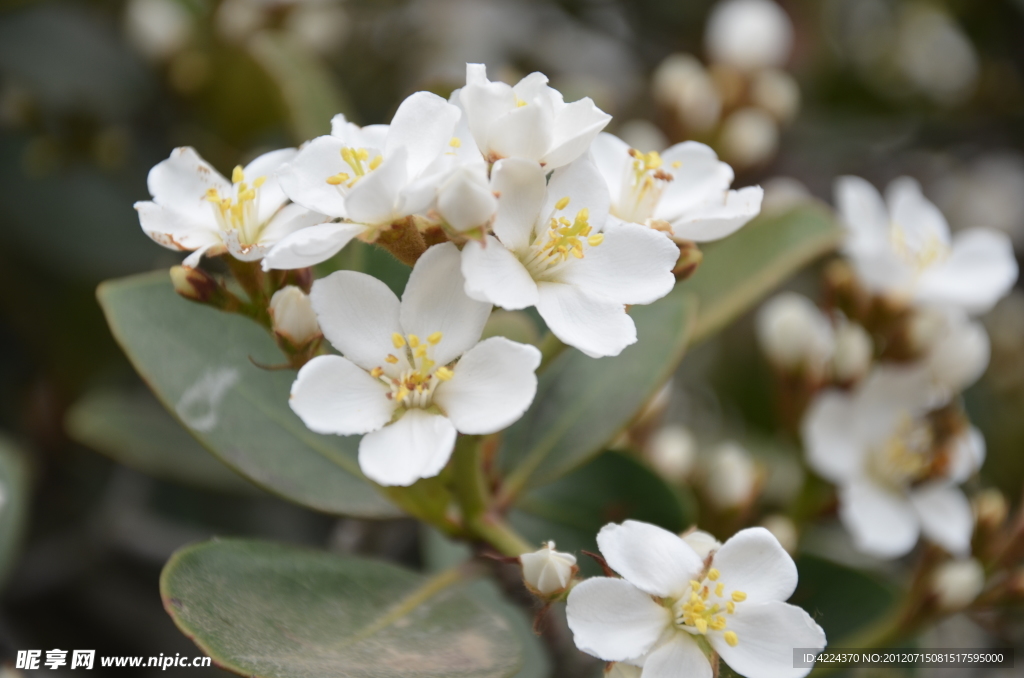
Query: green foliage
{"type": "Point", "coordinates": [269, 610]}
{"type": "Point", "coordinates": [198, 361]}
{"type": "Point", "coordinates": [840, 599]}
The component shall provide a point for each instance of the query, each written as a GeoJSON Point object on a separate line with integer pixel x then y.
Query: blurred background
{"type": "Point", "coordinates": [94, 93]}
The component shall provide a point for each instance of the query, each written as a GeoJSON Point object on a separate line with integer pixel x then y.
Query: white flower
{"type": "Point", "coordinates": [465, 200]}
{"type": "Point", "coordinates": [529, 121]}
{"type": "Point", "coordinates": [956, 583]}
{"type": "Point", "coordinates": [904, 249]}
{"type": "Point", "coordinates": [552, 249]}
{"type": "Point", "coordinates": [370, 177]}
{"type": "Point", "coordinates": [731, 476]}
{"type": "Point", "coordinates": [702, 542]}
{"type": "Point", "coordinates": [293, 316]}
{"type": "Point", "coordinates": [749, 34]}
{"type": "Point", "coordinates": [896, 473]}
{"type": "Point", "coordinates": [548, 571]}
{"type": "Point", "coordinates": [795, 334]}
{"type": "Point", "coordinates": [196, 209]}
{"type": "Point", "coordinates": [955, 348]}
{"type": "Point", "coordinates": [686, 186]}
{"type": "Point", "coordinates": [399, 382]}
{"type": "Point", "coordinates": [669, 605]}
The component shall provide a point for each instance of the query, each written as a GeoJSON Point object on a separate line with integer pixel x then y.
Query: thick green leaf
{"type": "Point", "coordinates": [197, 361]}
{"type": "Point", "coordinates": [270, 610]}
{"type": "Point", "coordinates": [582, 403]}
{"type": "Point", "coordinates": [611, 488]}
{"type": "Point", "coordinates": [740, 270]}
{"type": "Point", "coordinates": [308, 89]}
{"type": "Point", "coordinates": [840, 599]}
{"type": "Point", "coordinates": [133, 429]}
{"type": "Point", "coordinates": [14, 498]}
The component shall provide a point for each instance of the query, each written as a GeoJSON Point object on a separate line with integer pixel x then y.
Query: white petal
{"type": "Point", "coordinates": [613, 620]}
{"type": "Point", "coordinates": [967, 455]}
{"type": "Point", "coordinates": [725, 216]}
{"type": "Point", "coordinates": [484, 102]}
{"type": "Point", "coordinates": [192, 260]}
{"type": "Point", "coordinates": [466, 200]}
{"type": "Point", "coordinates": [596, 327]}
{"type": "Point", "coordinates": [175, 230]}
{"type": "Point", "coordinates": [633, 265]}
{"type": "Point", "coordinates": [435, 301]}
{"type": "Point", "coordinates": [359, 314]}
{"type": "Point", "coordinates": [862, 210]}
{"type": "Point", "coordinates": [882, 521]}
{"type": "Point", "coordinates": [416, 446]}
{"type": "Point", "coordinates": [753, 561]}
{"type": "Point", "coordinates": [521, 186]}
{"type": "Point", "coordinates": [423, 125]}
{"type": "Point", "coordinates": [289, 219]}
{"type": "Point", "coordinates": [699, 178]}
{"type": "Point", "coordinates": [653, 559]}
{"type": "Point", "coordinates": [181, 182]}
{"type": "Point", "coordinates": [493, 385]}
{"type": "Point", "coordinates": [831, 436]}
{"type": "Point", "coordinates": [945, 515]}
{"type": "Point", "coordinates": [272, 196]}
{"type": "Point", "coordinates": [304, 179]}
{"type": "Point", "coordinates": [768, 633]}
{"type": "Point", "coordinates": [311, 245]}
{"type": "Point", "coordinates": [679, 657]}
{"type": "Point", "coordinates": [375, 199]}
{"type": "Point", "coordinates": [581, 182]}
{"type": "Point", "coordinates": [575, 127]}
{"type": "Point", "coordinates": [523, 132]}
{"type": "Point", "coordinates": [980, 270]}
{"type": "Point", "coordinates": [611, 156]}
{"type": "Point", "coordinates": [333, 395]}
{"type": "Point", "coordinates": [918, 219]}
{"type": "Point", "coordinates": [494, 274]}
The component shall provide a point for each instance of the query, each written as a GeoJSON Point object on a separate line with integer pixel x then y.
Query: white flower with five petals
{"type": "Point", "coordinates": [552, 249]}
{"type": "Point", "coordinates": [196, 209]}
{"type": "Point", "coordinates": [902, 247]}
{"type": "Point", "coordinates": [370, 177]}
{"type": "Point", "coordinates": [896, 472]}
{"type": "Point", "coordinates": [686, 186]}
{"type": "Point", "coordinates": [414, 371]}
{"type": "Point", "coordinates": [672, 607]}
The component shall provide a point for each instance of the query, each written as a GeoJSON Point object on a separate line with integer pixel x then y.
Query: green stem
{"type": "Point", "coordinates": [550, 348]}
{"type": "Point", "coordinates": [501, 536]}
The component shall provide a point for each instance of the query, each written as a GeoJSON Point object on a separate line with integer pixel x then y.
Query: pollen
{"type": "Point", "coordinates": [713, 575]}
{"type": "Point", "coordinates": [562, 204]}
{"type": "Point", "coordinates": [398, 340]}
{"type": "Point", "coordinates": [731, 638]}
{"type": "Point", "coordinates": [435, 338]}
{"type": "Point", "coordinates": [739, 596]}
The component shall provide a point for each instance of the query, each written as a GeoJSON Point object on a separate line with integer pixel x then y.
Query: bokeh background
{"type": "Point", "coordinates": [94, 93]}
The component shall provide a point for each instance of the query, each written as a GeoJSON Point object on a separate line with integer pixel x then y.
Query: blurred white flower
{"type": "Point", "coordinates": [988, 191]}
{"type": "Point", "coordinates": [731, 476]}
{"type": "Point", "coordinates": [682, 84]}
{"type": "Point", "coordinates": [686, 186]}
{"type": "Point", "coordinates": [196, 209]}
{"type": "Point", "coordinates": [293, 317]}
{"type": "Point", "coordinates": [934, 54]}
{"type": "Point", "coordinates": [903, 249]}
{"type": "Point", "coordinates": [782, 194]}
{"type": "Point", "coordinates": [672, 451]}
{"type": "Point", "coordinates": [895, 477]}
{"type": "Point", "coordinates": [749, 137]}
{"type": "Point", "coordinates": [322, 25]}
{"type": "Point", "coordinates": [668, 605]}
{"type": "Point", "coordinates": [955, 348]}
{"type": "Point", "coordinates": [413, 372]}
{"type": "Point", "coordinates": [795, 334]}
{"type": "Point", "coordinates": [552, 249]}
{"type": "Point", "coordinates": [854, 351]}
{"type": "Point", "coordinates": [748, 34]}
{"type": "Point", "coordinates": [157, 28]}
{"type": "Point", "coordinates": [956, 583]}
{"type": "Point", "coordinates": [548, 571]}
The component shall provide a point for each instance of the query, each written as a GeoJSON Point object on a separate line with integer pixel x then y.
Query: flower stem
{"type": "Point", "coordinates": [550, 348]}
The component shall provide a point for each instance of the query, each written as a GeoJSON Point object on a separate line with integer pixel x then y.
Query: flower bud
{"type": "Point", "coordinates": [622, 670]}
{"type": "Point", "coordinates": [465, 200]}
{"type": "Point", "coordinates": [681, 83]}
{"type": "Point", "coordinates": [783, 529]}
{"type": "Point", "coordinates": [672, 451]}
{"type": "Point", "coordinates": [157, 28]}
{"type": "Point", "coordinates": [749, 34]}
{"type": "Point", "coordinates": [961, 357]}
{"type": "Point", "coordinates": [193, 283]}
{"type": "Point", "coordinates": [702, 542]}
{"type": "Point", "coordinates": [778, 93]}
{"type": "Point", "coordinates": [547, 572]}
{"type": "Point", "coordinates": [956, 583]}
{"type": "Point", "coordinates": [731, 477]}
{"type": "Point", "coordinates": [794, 334]}
{"type": "Point", "coordinates": [690, 258]}
{"type": "Point", "coordinates": [853, 353]}
{"type": "Point", "coordinates": [749, 137]}
{"type": "Point", "coordinates": [293, 316]}
{"type": "Point", "coordinates": [990, 508]}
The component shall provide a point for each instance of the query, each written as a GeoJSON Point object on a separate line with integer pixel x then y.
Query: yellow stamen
{"type": "Point", "coordinates": [596, 239]}
{"type": "Point", "coordinates": [212, 195]}
{"type": "Point", "coordinates": [730, 607]}
{"type": "Point", "coordinates": [376, 372]}
{"type": "Point", "coordinates": [337, 179]}
{"type": "Point", "coordinates": [391, 359]}
{"type": "Point", "coordinates": [435, 338]}
{"type": "Point", "coordinates": [718, 623]}
{"type": "Point", "coordinates": [455, 142]}
{"type": "Point", "coordinates": [444, 374]}
{"type": "Point", "coordinates": [720, 589]}
{"type": "Point", "coordinates": [414, 341]}
{"type": "Point", "coordinates": [701, 624]}
{"type": "Point", "coordinates": [375, 163]}
{"type": "Point", "coordinates": [398, 340]}
{"type": "Point", "coordinates": [739, 596]}
{"type": "Point", "coordinates": [714, 574]}
{"type": "Point", "coordinates": [561, 204]}
{"type": "Point", "coordinates": [695, 585]}
{"type": "Point", "coordinates": [677, 164]}
{"type": "Point", "coordinates": [402, 394]}
{"type": "Point", "coordinates": [237, 175]}
{"type": "Point", "coordinates": [731, 638]}
{"type": "Point", "coordinates": [421, 352]}
{"type": "Point", "coordinates": [259, 182]}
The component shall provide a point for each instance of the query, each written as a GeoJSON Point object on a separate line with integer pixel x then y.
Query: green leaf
{"type": "Point", "coordinates": [133, 429]}
{"type": "Point", "coordinates": [307, 86]}
{"type": "Point", "coordinates": [270, 610]}
{"type": "Point", "coordinates": [740, 270]}
{"type": "Point", "coordinates": [583, 403]}
{"type": "Point", "coordinates": [197, 361]}
{"type": "Point", "coordinates": [840, 599]}
{"type": "Point", "coordinates": [611, 488]}
{"type": "Point", "coordinates": [14, 499]}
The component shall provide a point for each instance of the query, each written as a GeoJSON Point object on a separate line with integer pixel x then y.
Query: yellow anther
{"type": "Point", "coordinates": [435, 338]}
{"type": "Point", "coordinates": [695, 585]}
{"type": "Point", "coordinates": [577, 252]}
{"type": "Point", "coordinates": [421, 351]}
{"type": "Point", "coordinates": [520, 103]}
{"type": "Point", "coordinates": [701, 624]}
{"type": "Point", "coordinates": [391, 359]}
{"type": "Point", "coordinates": [414, 341]}
{"type": "Point", "coordinates": [443, 373]}
{"type": "Point", "coordinates": [561, 204]}
{"type": "Point", "coordinates": [375, 163]}
{"type": "Point", "coordinates": [363, 154]}
{"type": "Point", "coordinates": [398, 340]}
{"type": "Point", "coordinates": [596, 239]}
{"type": "Point", "coordinates": [563, 221]}
{"type": "Point", "coordinates": [247, 195]}
{"type": "Point", "coordinates": [337, 179]}
{"type": "Point", "coordinates": [720, 589]}
{"type": "Point", "coordinates": [739, 596]}
{"type": "Point", "coordinates": [402, 394]}
{"type": "Point", "coordinates": [677, 164]}
{"type": "Point", "coordinates": [376, 372]}
{"type": "Point", "coordinates": [455, 142]}
{"type": "Point", "coordinates": [237, 175]}
{"type": "Point", "coordinates": [347, 155]}
{"type": "Point", "coordinates": [713, 575]}
{"type": "Point", "coordinates": [212, 195]}
{"type": "Point", "coordinates": [731, 638]}
{"type": "Point", "coordinates": [718, 623]}
{"type": "Point", "coordinates": [583, 214]}
{"type": "Point", "coordinates": [259, 182]}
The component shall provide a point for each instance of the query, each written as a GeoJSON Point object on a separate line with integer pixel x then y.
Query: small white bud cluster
{"type": "Point", "coordinates": [293, 316]}
{"type": "Point", "coordinates": [548, 572]}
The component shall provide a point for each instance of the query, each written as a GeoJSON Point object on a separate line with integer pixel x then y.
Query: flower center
{"type": "Point", "coordinates": [919, 253]}
{"type": "Point", "coordinates": [706, 608]}
{"type": "Point", "coordinates": [239, 213]}
{"type": "Point", "coordinates": [359, 161]}
{"type": "Point", "coordinates": [414, 387]}
{"type": "Point", "coordinates": [643, 185]}
{"type": "Point", "coordinates": [906, 456]}
{"type": "Point", "coordinates": [564, 238]}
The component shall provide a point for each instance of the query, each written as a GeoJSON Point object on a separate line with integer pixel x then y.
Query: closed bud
{"type": "Point", "coordinates": [547, 572]}
{"type": "Point", "coordinates": [682, 84]}
{"type": "Point", "coordinates": [853, 352]}
{"type": "Point", "coordinates": [794, 334]}
{"type": "Point", "coordinates": [749, 34]}
{"type": "Point", "coordinates": [956, 583]}
{"type": "Point", "coordinates": [778, 93]}
{"type": "Point", "coordinates": [783, 529]}
{"type": "Point", "coordinates": [293, 316]}
{"type": "Point", "coordinates": [990, 508]}
{"type": "Point", "coordinates": [622, 670]}
{"type": "Point", "coordinates": [193, 283]}
{"type": "Point", "coordinates": [465, 200]}
{"type": "Point", "coordinates": [702, 542]}
{"type": "Point", "coordinates": [690, 258]}
{"type": "Point", "coordinates": [672, 451]}
{"type": "Point", "coordinates": [731, 477]}
{"type": "Point", "coordinates": [749, 137]}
